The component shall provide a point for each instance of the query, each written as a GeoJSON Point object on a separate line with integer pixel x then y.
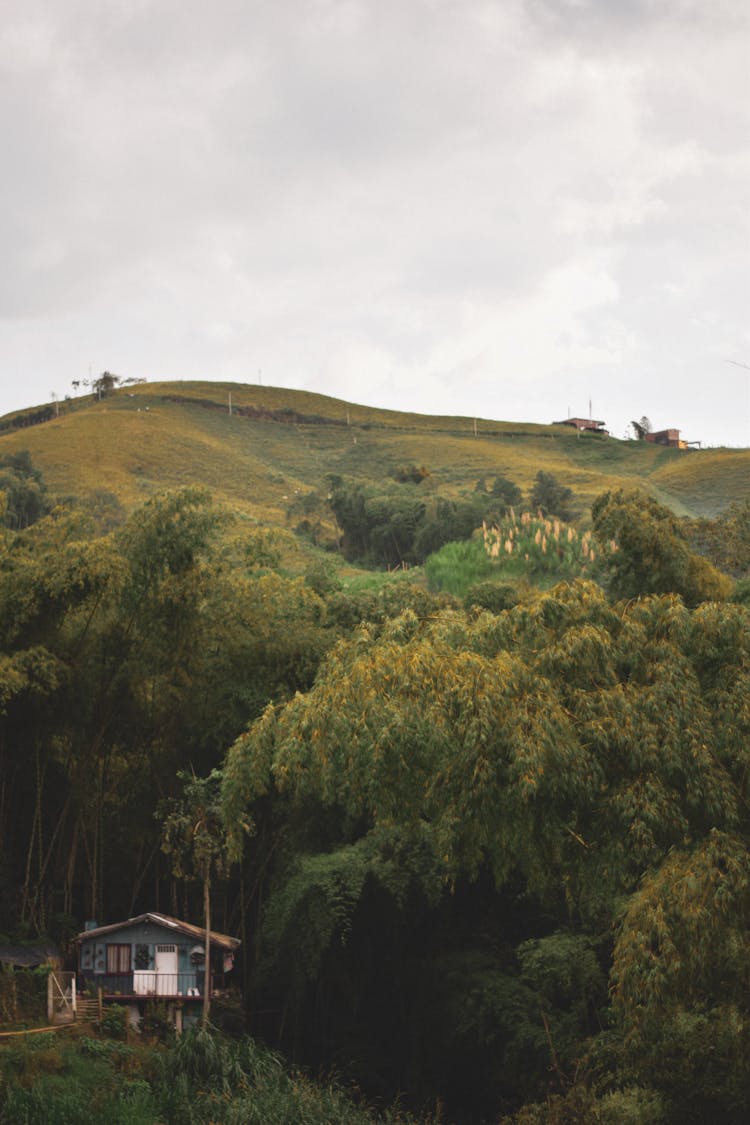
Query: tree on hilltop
{"type": "Point", "coordinates": [550, 497]}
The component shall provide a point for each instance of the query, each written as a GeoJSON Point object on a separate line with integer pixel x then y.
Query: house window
{"type": "Point", "coordinates": [118, 959]}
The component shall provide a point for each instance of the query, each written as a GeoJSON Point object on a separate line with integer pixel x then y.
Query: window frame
{"type": "Point", "coordinates": [115, 951]}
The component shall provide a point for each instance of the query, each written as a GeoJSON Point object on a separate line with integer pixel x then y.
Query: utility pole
{"type": "Point", "coordinates": [230, 404]}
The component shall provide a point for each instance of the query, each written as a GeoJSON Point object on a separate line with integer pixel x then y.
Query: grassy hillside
{"type": "Point", "coordinates": [278, 443]}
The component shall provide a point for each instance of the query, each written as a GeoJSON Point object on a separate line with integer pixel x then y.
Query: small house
{"type": "Point", "coordinates": [154, 956]}
{"type": "Point", "coordinates": [587, 425]}
{"type": "Point", "coordinates": [667, 437]}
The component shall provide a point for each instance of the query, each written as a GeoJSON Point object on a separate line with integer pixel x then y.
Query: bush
{"type": "Point", "coordinates": [493, 596]}
{"type": "Point", "coordinates": [458, 566]}
{"type": "Point", "coordinates": [115, 1021]}
{"type": "Point", "coordinates": [550, 497]}
{"type": "Point", "coordinates": [155, 1022]}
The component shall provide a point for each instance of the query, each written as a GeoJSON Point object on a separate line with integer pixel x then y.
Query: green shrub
{"type": "Point", "coordinates": [458, 566]}
{"type": "Point", "coordinates": [493, 596]}
{"type": "Point", "coordinates": [115, 1021]}
{"type": "Point", "coordinates": [155, 1023]}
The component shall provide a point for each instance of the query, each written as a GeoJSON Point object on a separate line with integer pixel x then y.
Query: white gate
{"type": "Point", "coordinates": [61, 997]}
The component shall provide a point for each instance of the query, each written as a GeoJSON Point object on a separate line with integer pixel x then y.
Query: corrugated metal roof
{"type": "Point", "coordinates": [223, 941]}
{"type": "Point", "coordinates": [27, 956]}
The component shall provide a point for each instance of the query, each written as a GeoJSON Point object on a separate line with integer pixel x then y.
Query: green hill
{"type": "Point", "coordinates": [278, 443]}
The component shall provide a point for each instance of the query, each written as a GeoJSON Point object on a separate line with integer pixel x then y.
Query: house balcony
{"type": "Point", "coordinates": [143, 983]}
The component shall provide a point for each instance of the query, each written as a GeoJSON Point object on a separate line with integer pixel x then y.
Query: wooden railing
{"type": "Point", "coordinates": [148, 982]}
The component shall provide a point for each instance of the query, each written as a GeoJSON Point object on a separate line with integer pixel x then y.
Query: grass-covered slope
{"type": "Point", "coordinates": [278, 443]}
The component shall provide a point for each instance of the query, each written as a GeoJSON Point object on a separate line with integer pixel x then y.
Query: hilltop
{"type": "Point", "coordinates": [278, 443]}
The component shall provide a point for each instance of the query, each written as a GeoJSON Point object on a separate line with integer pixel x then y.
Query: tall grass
{"type": "Point", "coordinates": [537, 545]}
{"type": "Point", "coordinates": [458, 566]}
{"type": "Point", "coordinates": [203, 1079]}
{"type": "Point", "coordinates": [523, 547]}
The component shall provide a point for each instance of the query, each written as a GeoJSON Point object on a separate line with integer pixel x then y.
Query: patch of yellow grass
{"type": "Point", "coordinates": [157, 436]}
{"type": "Point", "coordinates": [707, 480]}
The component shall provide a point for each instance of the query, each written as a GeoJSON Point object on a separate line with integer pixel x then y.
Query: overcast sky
{"type": "Point", "coordinates": [500, 208]}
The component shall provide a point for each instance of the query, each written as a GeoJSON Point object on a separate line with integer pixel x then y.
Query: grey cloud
{"type": "Point", "coordinates": [319, 186]}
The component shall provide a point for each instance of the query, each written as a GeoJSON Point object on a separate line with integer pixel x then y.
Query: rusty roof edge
{"type": "Point", "coordinates": [169, 923]}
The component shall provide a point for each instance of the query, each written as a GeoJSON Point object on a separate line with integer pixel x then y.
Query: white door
{"type": "Point", "coordinates": [166, 970]}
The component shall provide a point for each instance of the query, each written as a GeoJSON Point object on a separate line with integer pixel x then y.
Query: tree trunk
{"type": "Point", "coordinates": [207, 980]}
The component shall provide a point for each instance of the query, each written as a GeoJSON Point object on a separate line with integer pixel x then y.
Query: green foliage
{"type": "Point", "coordinates": [192, 831]}
{"type": "Point", "coordinates": [564, 971]}
{"type": "Point", "coordinates": [379, 527]}
{"type": "Point", "coordinates": [155, 1023]}
{"type": "Point", "coordinates": [207, 1079]}
{"type": "Point", "coordinates": [652, 555]}
{"type": "Point", "coordinates": [506, 491]}
{"type": "Point", "coordinates": [550, 497]}
{"type": "Point", "coordinates": [25, 491]}
{"type": "Point", "coordinates": [533, 547]}
{"type": "Point", "coordinates": [641, 428]}
{"type": "Point", "coordinates": [321, 576]}
{"type": "Point", "coordinates": [492, 1023]}
{"type": "Point", "coordinates": [23, 995]}
{"type": "Point", "coordinates": [631, 1105]}
{"type": "Point", "coordinates": [378, 602]}
{"type": "Point", "coordinates": [262, 550]}
{"type": "Point", "coordinates": [741, 592]}
{"type": "Point", "coordinates": [682, 986]}
{"type": "Point", "coordinates": [201, 1080]}
{"type": "Point", "coordinates": [411, 474]}
{"type": "Point", "coordinates": [395, 527]}
{"type": "Point", "coordinates": [456, 567]}
{"type": "Point", "coordinates": [493, 596]}
{"type": "Point", "coordinates": [725, 540]}
{"type": "Point", "coordinates": [521, 547]}
{"type": "Point", "coordinates": [442, 816]}
{"type": "Point", "coordinates": [114, 1021]}
{"type": "Point", "coordinates": [314, 903]}
{"type": "Point", "coordinates": [568, 746]}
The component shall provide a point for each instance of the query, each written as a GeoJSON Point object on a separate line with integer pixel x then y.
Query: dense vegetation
{"type": "Point", "coordinates": [486, 842]}
{"type": "Point", "coordinates": [202, 1079]}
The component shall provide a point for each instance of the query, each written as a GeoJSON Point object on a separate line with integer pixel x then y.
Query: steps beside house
{"type": "Point", "coordinates": [87, 1009]}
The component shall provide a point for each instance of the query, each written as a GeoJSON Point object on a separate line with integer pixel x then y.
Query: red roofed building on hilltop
{"type": "Point", "coordinates": [667, 437]}
{"type": "Point", "coordinates": [590, 424]}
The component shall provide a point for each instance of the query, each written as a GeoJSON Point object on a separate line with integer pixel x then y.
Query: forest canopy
{"type": "Point", "coordinates": [490, 853]}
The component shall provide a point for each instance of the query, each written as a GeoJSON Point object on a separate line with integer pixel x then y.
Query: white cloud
{"type": "Point", "coordinates": [479, 208]}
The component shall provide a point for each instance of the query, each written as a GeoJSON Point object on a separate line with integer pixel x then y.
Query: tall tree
{"type": "Point", "coordinates": [193, 836]}
{"type": "Point", "coordinates": [652, 555]}
{"type": "Point", "coordinates": [642, 428]}
{"type": "Point", "coordinates": [550, 497]}
{"type": "Point", "coordinates": [558, 754]}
